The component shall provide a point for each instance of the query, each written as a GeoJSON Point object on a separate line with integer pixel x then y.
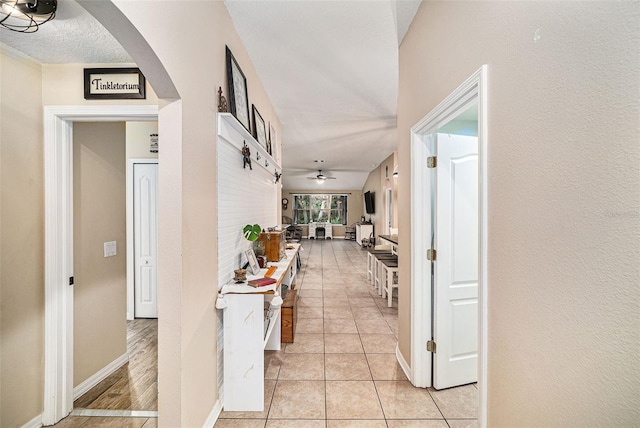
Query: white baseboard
{"type": "Point", "coordinates": [98, 377]}
{"type": "Point", "coordinates": [34, 423]}
{"type": "Point", "coordinates": [403, 364]}
{"type": "Point", "coordinates": [213, 416]}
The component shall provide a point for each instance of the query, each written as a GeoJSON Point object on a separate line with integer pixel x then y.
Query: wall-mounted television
{"type": "Point", "coordinates": [369, 199]}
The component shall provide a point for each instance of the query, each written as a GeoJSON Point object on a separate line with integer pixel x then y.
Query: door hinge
{"type": "Point", "coordinates": [431, 255]}
{"type": "Point", "coordinates": [70, 280]}
{"type": "Point", "coordinates": [431, 346]}
{"type": "Point", "coordinates": [432, 162]}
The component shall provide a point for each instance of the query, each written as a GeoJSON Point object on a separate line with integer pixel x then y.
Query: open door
{"type": "Point", "coordinates": [456, 274]}
{"type": "Point", "coordinates": [145, 225]}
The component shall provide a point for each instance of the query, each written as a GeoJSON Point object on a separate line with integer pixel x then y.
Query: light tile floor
{"type": "Point", "coordinates": [342, 371]}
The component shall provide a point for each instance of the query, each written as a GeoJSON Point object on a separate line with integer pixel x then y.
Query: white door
{"type": "Point", "coordinates": [455, 314]}
{"type": "Point", "coordinates": [145, 232]}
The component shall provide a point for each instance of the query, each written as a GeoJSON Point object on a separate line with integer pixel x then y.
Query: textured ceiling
{"type": "Point", "coordinates": [330, 69]}
{"type": "Point", "coordinates": [74, 36]}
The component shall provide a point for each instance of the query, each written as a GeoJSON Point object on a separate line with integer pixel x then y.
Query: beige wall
{"type": "Point", "coordinates": [373, 185]}
{"type": "Point", "coordinates": [378, 180]}
{"type": "Point", "coordinates": [355, 207]}
{"type": "Point", "coordinates": [564, 197]}
{"type": "Point", "coordinates": [21, 240]}
{"type": "Point", "coordinates": [187, 206]}
{"type": "Point", "coordinates": [138, 139]}
{"type": "Point", "coordinates": [99, 215]}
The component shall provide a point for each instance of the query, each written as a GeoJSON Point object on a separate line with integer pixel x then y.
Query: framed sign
{"type": "Point", "coordinates": [238, 99]}
{"type": "Point", "coordinates": [114, 84]}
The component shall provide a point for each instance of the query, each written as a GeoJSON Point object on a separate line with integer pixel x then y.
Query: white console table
{"type": "Point", "coordinates": [247, 333]}
{"type": "Point", "coordinates": [328, 231]}
{"type": "Point", "coordinates": [363, 231]}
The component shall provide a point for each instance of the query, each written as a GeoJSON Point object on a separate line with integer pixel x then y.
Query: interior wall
{"type": "Point", "coordinates": [373, 184]}
{"type": "Point", "coordinates": [378, 180]}
{"type": "Point", "coordinates": [564, 199]}
{"type": "Point", "coordinates": [188, 206]}
{"type": "Point", "coordinates": [387, 167]}
{"type": "Point", "coordinates": [21, 240]}
{"type": "Point", "coordinates": [355, 207]}
{"type": "Point", "coordinates": [99, 210]}
{"type": "Point", "coordinates": [138, 140]}
{"type": "Point", "coordinates": [245, 196]}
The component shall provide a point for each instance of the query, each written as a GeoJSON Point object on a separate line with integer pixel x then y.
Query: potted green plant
{"type": "Point", "coordinates": [251, 232]}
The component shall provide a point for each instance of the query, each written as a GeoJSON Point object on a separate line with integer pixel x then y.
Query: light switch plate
{"type": "Point", "coordinates": [110, 249]}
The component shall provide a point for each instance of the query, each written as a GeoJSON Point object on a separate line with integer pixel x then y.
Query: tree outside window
{"type": "Point", "coordinates": [310, 208]}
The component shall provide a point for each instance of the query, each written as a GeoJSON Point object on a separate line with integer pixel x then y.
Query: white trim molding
{"type": "Point", "coordinates": [406, 368]}
{"type": "Point", "coordinates": [33, 423]}
{"type": "Point", "coordinates": [474, 89]}
{"type": "Point", "coordinates": [115, 413]}
{"type": "Point", "coordinates": [58, 177]}
{"type": "Point", "coordinates": [99, 376]}
{"type": "Point", "coordinates": [213, 415]}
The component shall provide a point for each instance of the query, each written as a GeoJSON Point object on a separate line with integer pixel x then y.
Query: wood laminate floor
{"type": "Point", "coordinates": [133, 387]}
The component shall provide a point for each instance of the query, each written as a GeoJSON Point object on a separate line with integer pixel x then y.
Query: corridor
{"type": "Point", "coordinates": [342, 369]}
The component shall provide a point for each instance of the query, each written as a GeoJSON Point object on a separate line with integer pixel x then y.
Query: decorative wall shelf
{"type": "Point", "coordinates": [232, 131]}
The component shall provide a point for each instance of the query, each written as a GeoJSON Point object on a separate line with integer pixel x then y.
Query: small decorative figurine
{"type": "Point", "coordinates": [241, 276]}
{"type": "Point", "coordinates": [222, 102]}
{"type": "Point", "coordinates": [278, 179]}
{"type": "Point", "coordinates": [246, 156]}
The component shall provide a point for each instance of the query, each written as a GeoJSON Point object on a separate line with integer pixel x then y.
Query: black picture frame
{"type": "Point", "coordinates": [91, 84]}
{"type": "Point", "coordinates": [259, 127]}
{"type": "Point", "coordinates": [237, 85]}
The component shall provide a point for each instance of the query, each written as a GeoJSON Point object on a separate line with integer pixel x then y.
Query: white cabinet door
{"type": "Point", "coordinates": [145, 230]}
{"type": "Point", "coordinates": [328, 231]}
{"type": "Point", "coordinates": [456, 268]}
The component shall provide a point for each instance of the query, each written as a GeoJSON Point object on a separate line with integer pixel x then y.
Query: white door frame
{"type": "Point", "coordinates": [131, 313]}
{"type": "Point", "coordinates": [58, 266]}
{"type": "Point", "coordinates": [475, 87]}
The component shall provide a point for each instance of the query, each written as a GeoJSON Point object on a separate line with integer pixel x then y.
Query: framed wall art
{"type": "Point", "coordinates": [273, 149]}
{"type": "Point", "coordinates": [259, 128]}
{"type": "Point", "coordinates": [238, 99]}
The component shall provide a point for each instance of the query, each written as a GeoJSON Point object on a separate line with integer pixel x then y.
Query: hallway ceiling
{"type": "Point", "coordinates": [330, 69]}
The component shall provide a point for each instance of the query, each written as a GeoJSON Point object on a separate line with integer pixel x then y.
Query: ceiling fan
{"type": "Point", "coordinates": [321, 177]}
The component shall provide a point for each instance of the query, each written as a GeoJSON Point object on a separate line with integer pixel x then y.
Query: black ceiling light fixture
{"type": "Point", "coordinates": [25, 16]}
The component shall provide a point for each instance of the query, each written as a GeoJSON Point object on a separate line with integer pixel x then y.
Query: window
{"type": "Point", "coordinates": [320, 208]}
